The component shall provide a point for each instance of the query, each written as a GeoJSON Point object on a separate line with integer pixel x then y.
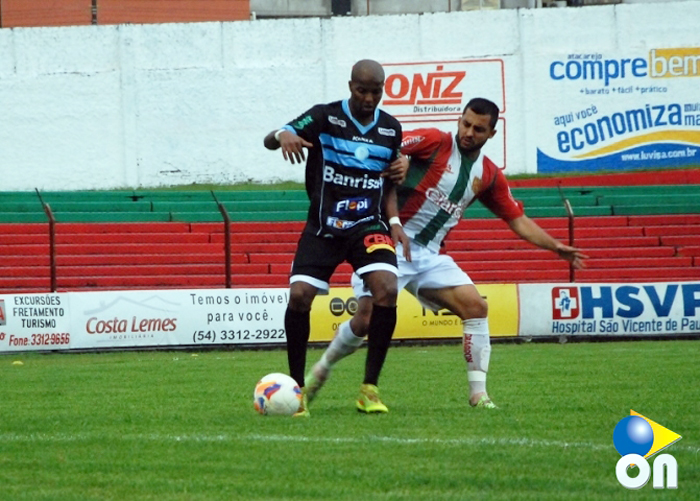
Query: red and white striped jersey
{"type": "Point", "coordinates": [441, 183]}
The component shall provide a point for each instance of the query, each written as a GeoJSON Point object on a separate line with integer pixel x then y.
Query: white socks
{"type": "Point", "coordinates": [477, 352]}
{"type": "Point", "coordinates": [344, 343]}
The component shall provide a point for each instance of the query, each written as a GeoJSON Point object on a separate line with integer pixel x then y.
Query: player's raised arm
{"type": "Point", "coordinates": [292, 145]}
{"type": "Point", "coordinates": [529, 230]}
{"type": "Point", "coordinates": [392, 212]}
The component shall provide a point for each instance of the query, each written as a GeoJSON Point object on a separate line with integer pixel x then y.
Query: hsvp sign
{"type": "Point", "coordinates": [614, 309]}
{"type": "Point", "coordinates": [626, 309]}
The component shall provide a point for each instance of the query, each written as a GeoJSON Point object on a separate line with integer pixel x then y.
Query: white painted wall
{"type": "Point", "coordinates": [149, 105]}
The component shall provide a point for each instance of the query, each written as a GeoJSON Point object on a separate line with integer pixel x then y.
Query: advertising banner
{"type": "Point", "coordinates": [215, 317]}
{"type": "Point", "coordinates": [619, 111]}
{"type": "Point", "coordinates": [34, 322]}
{"type": "Point", "coordinates": [205, 317]}
{"type": "Point", "coordinates": [610, 309]}
{"type": "Point", "coordinates": [433, 94]}
{"type": "Point", "coordinates": [413, 320]}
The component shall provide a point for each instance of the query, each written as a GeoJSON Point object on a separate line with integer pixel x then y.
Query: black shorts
{"type": "Point", "coordinates": [317, 257]}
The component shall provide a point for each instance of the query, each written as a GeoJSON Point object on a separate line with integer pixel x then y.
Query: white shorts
{"type": "Point", "coordinates": [427, 270]}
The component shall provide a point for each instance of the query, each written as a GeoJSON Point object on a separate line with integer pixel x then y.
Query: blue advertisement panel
{"type": "Point", "coordinates": [606, 111]}
{"type": "Point", "coordinates": [632, 309]}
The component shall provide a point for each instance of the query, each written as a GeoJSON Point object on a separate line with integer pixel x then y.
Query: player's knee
{"type": "Point", "coordinates": [476, 309]}
{"type": "Point", "coordinates": [300, 298]}
{"type": "Point", "coordinates": [385, 294]}
{"type": "Point", "coordinates": [360, 320]}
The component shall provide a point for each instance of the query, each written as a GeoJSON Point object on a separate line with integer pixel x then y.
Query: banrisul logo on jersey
{"type": "Point", "coordinates": [619, 110]}
{"type": "Point", "coordinates": [610, 309]}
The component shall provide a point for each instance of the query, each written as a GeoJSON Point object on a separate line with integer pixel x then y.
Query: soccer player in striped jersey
{"type": "Point", "coordinates": [352, 148]}
{"type": "Point", "coordinates": [446, 174]}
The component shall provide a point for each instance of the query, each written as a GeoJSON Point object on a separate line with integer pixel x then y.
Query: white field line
{"type": "Point", "coordinates": [519, 442]}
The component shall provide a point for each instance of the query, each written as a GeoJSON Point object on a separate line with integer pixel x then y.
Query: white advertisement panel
{"type": "Point", "coordinates": [121, 319]}
{"type": "Point", "coordinates": [34, 322]}
{"type": "Point", "coordinates": [632, 309]}
{"type": "Point", "coordinates": [618, 110]}
{"type": "Point", "coordinates": [434, 93]}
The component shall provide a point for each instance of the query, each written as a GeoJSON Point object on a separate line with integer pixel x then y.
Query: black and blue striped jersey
{"type": "Point", "coordinates": [344, 165]}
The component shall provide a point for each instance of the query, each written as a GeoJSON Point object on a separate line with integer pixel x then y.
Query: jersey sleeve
{"type": "Point", "coordinates": [498, 197]}
{"type": "Point", "coordinates": [397, 147]}
{"type": "Point", "coordinates": [420, 143]}
{"type": "Point", "coordinates": [309, 124]}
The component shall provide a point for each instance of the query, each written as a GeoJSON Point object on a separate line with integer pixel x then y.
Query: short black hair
{"type": "Point", "coordinates": [482, 106]}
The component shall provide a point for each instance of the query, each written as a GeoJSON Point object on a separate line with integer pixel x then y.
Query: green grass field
{"type": "Point", "coordinates": [181, 425]}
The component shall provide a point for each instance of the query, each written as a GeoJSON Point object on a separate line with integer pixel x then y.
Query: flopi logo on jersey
{"type": "Point", "coordinates": [357, 205]}
{"type": "Point", "coordinates": [637, 438]}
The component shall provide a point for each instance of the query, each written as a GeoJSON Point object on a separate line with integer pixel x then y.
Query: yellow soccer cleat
{"type": "Point", "coordinates": [315, 380]}
{"type": "Point", "coordinates": [369, 401]}
{"type": "Point", "coordinates": [484, 402]}
{"type": "Point", "coordinates": [303, 406]}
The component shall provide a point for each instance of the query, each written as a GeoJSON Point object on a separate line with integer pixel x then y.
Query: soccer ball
{"type": "Point", "coordinates": [277, 395]}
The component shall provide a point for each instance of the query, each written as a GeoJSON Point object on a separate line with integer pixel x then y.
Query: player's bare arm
{"type": "Point", "coordinates": [529, 230]}
{"type": "Point", "coordinates": [291, 144]}
{"type": "Point", "coordinates": [391, 209]}
{"type": "Point", "coordinates": [397, 170]}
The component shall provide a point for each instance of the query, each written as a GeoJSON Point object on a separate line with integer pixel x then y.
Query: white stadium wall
{"type": "Point", "coordinates": [101, 107]}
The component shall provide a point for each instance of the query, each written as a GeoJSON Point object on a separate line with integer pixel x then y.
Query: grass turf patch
{"type": "Point", "coordinates": [181, 426]}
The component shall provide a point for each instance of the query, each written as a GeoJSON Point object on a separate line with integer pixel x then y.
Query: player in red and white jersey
{"type": "Point", "coordinates": [446, 174]}
{"type": "Point", "coordinates": [442, 182]}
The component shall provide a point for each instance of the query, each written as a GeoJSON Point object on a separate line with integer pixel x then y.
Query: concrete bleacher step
{"type": "Point", "coordinates": [680, 240]}
{"type": "Point", "coordinates": [24, 239]}
{"type": "Point", "coordinates": [481, 212]}
{"type": "Point", "coordinates": [649, 274]}
{"type": "Point", "coordinates": [594, 263]}
{"type": "Point", "coordinates": [214, 269]}
{"type": "Point", "coordinates": [36, 283]}
{"type": "Point", "coordinates": [690, 250]}
{"type": "Point", "coordinates": [663, 219]}
{"type": "Point", "coordinates": [24, 250]}
{"type": "Point", "coordinates": [641, 262]}
{"type": "Point", "coordinates": [475, 256]}
{"type": "Point", "coordinates": [683, 207]}
{"type": "Point", "coordinates": [582, 243]}
{"type": "Point", "coordinates": [510, 275]}
{"type": "Point", "coordinates": [255, 248]}
{"type": "Point", "coordinates": [137, 248]}
{"type": "Point", "coordinates": [127, 238]}
{"type": "Point", "coordinates": [668, 230]}
{"type": "Point", "coordinates": [250, 227]}
{"type": "Point", "coordinates": [37, 216]}
{"type": "Point", "coordinates": [24, 228]}
{"type": "Point", "coordinates": [559, 232]}
{"type": "Point", "coordinates": [258, 237]}
{"type": "Point", "coordinates": [126, 227]}
{"type": "Point", "coordinates": [139, 281]}
{"type": "Point", "coordinates": [154, 259]}
{"type": "Point", "coordinates": [38, 260]}
{"type": "Point", "coordinates": [113, 217]}
{"type": "Point", "coordinates": [182, 235]}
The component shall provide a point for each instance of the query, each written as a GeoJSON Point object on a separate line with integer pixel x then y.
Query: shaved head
{"type": "Point", "coordinates": [367, 70]}
{"type": "Point", "coordinates": [366, 90]}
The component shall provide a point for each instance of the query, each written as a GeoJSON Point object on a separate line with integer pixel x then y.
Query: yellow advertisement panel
{"type": "Point", "coordinates": [414, 321]}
